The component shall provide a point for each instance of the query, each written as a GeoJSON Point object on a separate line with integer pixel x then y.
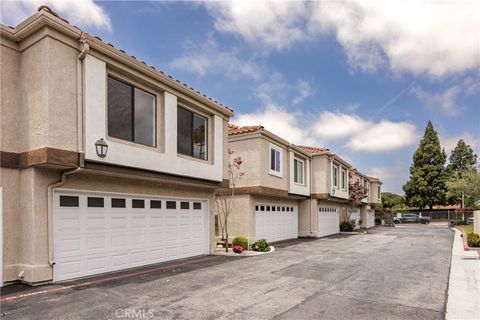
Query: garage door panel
{"type": "Point", "coordinates": [275, 224]}
{"type": "Point", "coordinates": [328, 221]}
{"type": "Point", "coordinates": [92, 240]}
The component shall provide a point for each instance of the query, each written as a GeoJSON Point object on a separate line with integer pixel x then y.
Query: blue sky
{"type": "Point", "coordinates": [361, 78]}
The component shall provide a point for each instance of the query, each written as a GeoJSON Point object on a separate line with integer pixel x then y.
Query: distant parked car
{"type": "Point", "coordinates": [397, 220]}
{"type": "Point", "coordinates": [410, 217]}
{"type": "Point", "coordinates": [424, 220]}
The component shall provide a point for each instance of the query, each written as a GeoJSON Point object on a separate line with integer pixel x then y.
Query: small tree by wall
{"type": "Point", "coordinates": [225, 198]}
{"type": "Point", "coordinates": [356, 193]}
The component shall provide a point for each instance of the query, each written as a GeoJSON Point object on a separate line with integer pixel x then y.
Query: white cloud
{"type": "Point", "coordinates": [268, 24]}
{"type": "Point", "coordinates": [279, 121]}
{"type": "Point", "coordinates": [84, 13]}
{"type": "Point", "coordinates": [209, 58]}
{"type": "Point", "coordinates": [384, 136]}
{"type": "Point", "coordinates": [449, 143]}
{"type": "Point", "coordinates": [339, 125]}
{"type": "Point", "coordinates": [360, 134]}
{"type": "Point", "coordinates": [447, 99]}
{"type": "Point", "coordinates": [433, 37]}
{"type": "Point", "coordinates": [305, 90]}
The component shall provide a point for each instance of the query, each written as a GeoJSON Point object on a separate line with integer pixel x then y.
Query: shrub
{"type": "Point", "coordinates": [473, 240]}
{"type": "Point", "coordinates": [240, 241]}
{"type": "Point", "coordinates": [238, 249]}
{"type": "Point", "coordinates": [261, 245]}
{"type": "Point", "coordinates": [347, 226]}
{"type": "Point", "coordinates": [378, 220]}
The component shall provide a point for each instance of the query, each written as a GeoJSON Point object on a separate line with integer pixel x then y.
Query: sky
{"type": "Point", "coordinates": [362, 78]}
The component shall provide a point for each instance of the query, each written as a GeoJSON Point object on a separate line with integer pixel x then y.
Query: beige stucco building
{"type": "Point", "coordinates": [70, 209]}
{"type": "Point", "coordinates": [293, 190]}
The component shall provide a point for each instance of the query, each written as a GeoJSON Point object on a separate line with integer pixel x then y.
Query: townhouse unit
{"type": "Point", "coordinates": [106, 163]}
{"type": "Point", "coordinates": [291, 191]}
{"type": "Point", "coordinates": [276, 181]}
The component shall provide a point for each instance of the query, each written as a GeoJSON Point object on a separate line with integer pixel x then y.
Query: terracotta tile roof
{"type": "Point", "coordinates": [312, 150]}
{"type": "Point", "coordinates": [234, 130]}
{"type": "Point", "coordinates": [49, 10]}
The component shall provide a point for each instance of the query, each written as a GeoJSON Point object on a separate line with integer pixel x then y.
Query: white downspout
{"type": "Point", "coordinates": [81, 56]}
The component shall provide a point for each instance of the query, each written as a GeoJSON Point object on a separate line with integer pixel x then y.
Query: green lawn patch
{"type": "Point", "coordinates": [468, 229]}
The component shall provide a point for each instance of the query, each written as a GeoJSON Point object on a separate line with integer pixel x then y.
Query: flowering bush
{"type": "Point", "coordinates": [238, 249]}
{"type": "Point", "coordinates": [261, 245]}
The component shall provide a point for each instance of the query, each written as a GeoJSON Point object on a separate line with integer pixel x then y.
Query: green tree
{"type": "Point", "coordinates": [462, 165]}
{"type": "Point", "coordinates": [468, 186]}
{"type": "Point", "coordinates": [392, 200]}
{"type": "Point", "coordinates": [426, 186]}
{"type": "Point", "coordinates": [462, 159]}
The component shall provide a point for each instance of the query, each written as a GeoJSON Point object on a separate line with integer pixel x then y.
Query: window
{"type": "Point", "coordinates": [131, 113]}
{"type": "Point", "coordinates": [198, 206]}
{"type": "Point", "coordinates": [344, 180]}
{"type": "Point", "coordinates": [184, 205]}
{"type": "Point", "coordinates": [68, 201]}
{"type": "Point", "coordinates": [298, 169]}
{"type": "Point", "coordinates": [155, 204]}
{"type": "Point", "coordinates": [335, 176]}
{"type": "Point", "coordinates": [379, 193]}
{"type": "Point", "coordinates": [275, 160]}
{"type": "Point", "coordinates": [118, 203]}
{"type": "Point", "coordinates": [191, 134]}
{"type": "Point", "coordinates": [171, 205]}
{"type": "Point", "coordinates": [94, 202]}
{"type": "Point", "coordinates": [138, 203]}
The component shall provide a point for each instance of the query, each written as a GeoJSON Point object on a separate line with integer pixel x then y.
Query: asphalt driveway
{"type": "Point", "coordinates": [390, 273]}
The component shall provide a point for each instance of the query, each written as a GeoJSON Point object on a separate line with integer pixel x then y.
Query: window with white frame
{"type": "Point", "coordinates": [379, 193]}
{"type": "Point", "coordinates": [298, 171]}
{"type": "Point", "coordinates": [275, 157]}
{"type": "Point", "coordinates": [344, 180]}
{"type": "Point", "coordinates": [335, 176]}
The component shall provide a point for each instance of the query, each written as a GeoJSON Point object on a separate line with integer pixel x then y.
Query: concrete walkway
{"type": "Point", "coordinates": [464, 285]}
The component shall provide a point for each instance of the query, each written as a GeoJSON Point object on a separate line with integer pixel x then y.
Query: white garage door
{"type": "Point", "coordinates": [96, 233]}
{"type": "Point", "coordinates": [276, 222]}
{"type": "Point", "coordinates": [370, 218]}
{"type": "Point", "coordinates": [355, 215]}
{"type": "Point", "coordinates": [328, 221]}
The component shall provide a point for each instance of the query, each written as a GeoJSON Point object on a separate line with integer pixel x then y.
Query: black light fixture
{"type": "Point", "coordinates": [101, 147]}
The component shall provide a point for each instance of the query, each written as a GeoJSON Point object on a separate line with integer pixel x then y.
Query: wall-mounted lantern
{"type": "Point", "coordinates": [101, 147]}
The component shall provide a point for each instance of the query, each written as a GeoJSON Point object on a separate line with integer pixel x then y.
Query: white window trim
{"type": "Point", "coordinates": [270, 171]}
{"type": "Point", "coordinates": [333, 177]}
{"type": "Point", "coordinates": [303, 171]}
{"type": "Point", "coordinates": [344, 172]}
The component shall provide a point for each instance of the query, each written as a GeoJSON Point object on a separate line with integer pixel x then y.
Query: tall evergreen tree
{"type": "Point", "coordinates": [462, 159]}
{"type": "Point", "coordinates": [426, 186]}
{"type": "Point", "coordinates": [461, 168]}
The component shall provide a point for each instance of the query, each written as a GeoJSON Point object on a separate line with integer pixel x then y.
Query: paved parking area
{"type": "Point", "coordinates": [390, 273]}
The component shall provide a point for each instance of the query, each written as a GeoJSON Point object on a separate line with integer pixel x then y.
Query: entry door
{"type": "Point", "coordinates": [276, 222]}
{"type": "Point", "coordinates": [328, 221]}
{"type": "Point", "coordinates": [96, 233]}
{"type": "Point", "coordinates": [370, 218]}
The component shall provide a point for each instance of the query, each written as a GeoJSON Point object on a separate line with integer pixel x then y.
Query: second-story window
{"type": "Point", "coordinates": [298, 170]}
{"type": "Point", "coordinates": [191, 134]}
{"type": "Point", "coordinates": [275, 158]}
{"type": "Point", "coordinates": [379, 193]}
{"type": "Point", "coordinates": [335, 176]}
{"type": "Point", "coordinates": [344, 180]}
{"type": "Point", "coordinates": [131, 113]}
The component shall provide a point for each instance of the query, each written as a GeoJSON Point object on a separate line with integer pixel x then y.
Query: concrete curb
{"type": "Point", "coordinates": [244, 254]}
